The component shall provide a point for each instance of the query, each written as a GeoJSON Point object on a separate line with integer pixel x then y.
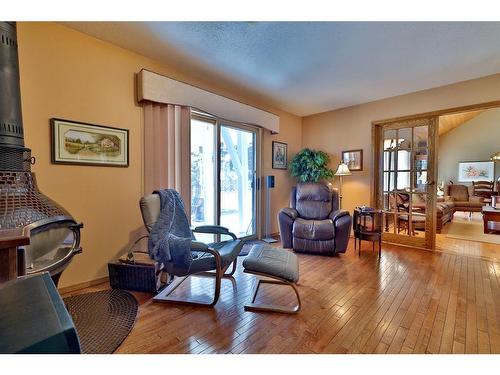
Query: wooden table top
{"type": "Point", "coordinates": [490, 209]}
{"type": "Point", "coordinates": [12, 238]}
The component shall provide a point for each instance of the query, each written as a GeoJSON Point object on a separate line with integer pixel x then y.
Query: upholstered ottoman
{"type": "Point", "coordinates": [277, 266]}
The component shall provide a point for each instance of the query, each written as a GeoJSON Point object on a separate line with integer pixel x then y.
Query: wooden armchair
{"type": "Point", "coordinates": [483, 189]}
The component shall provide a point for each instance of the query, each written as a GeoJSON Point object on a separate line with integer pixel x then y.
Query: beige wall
{"type": "Point", "coordinates": [350, 128]}
{"type": "Point", "coordinates": [70, 75]}
{"type": "Point", "coordinates": [474, 140]}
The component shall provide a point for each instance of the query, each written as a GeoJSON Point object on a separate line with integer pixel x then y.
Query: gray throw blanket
{"type": "Point", "coordinates": [170, 238]}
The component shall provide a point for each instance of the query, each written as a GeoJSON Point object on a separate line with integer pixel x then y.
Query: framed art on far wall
{"type": "Point", "coordinates": [472, 171]}
{"type": "Point", "coordinates": [280, 155]}
{"type": "Point", "coordinates": [353, 159]}
{"type": "Point", "coordinates": [87, 144]}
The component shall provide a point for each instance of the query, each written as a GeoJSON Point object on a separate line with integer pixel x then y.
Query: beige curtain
{"type": "Point", "coordinates": [167, 150]}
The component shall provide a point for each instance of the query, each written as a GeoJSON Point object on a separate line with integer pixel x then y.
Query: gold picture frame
{"type": "Point", "coordinates": [80, 143]}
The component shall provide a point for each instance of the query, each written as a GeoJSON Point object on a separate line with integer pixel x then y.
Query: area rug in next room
{"type": "Point", "coordinates": [470, 231]}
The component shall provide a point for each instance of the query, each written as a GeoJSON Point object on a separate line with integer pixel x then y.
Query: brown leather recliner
{"type": "Point", "coordinates": [313, 223]}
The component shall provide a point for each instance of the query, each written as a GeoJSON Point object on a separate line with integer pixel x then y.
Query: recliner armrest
{"type": "Point", "coordinates": [334, 215]}
{"type": "Point", "coordinates": [214, 229]}
{"type": "Point", "coordinates": [291, 212]}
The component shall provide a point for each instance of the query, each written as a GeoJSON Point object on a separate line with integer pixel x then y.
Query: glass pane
{"type": "Point", "coordinates": [405, 138]}
{"type": "Point", "coordinates": [418, 202]}
{"type": "Point", "coordinates": [404, 162]}
{"type": "Point", "coordinates": [392, 202]}
{"type": "Point", "coordinates": [47, 246]}
{"type": "Point", "coordinates": [202, 172]}
{"type": "Point", "coordinates": [420, 182]}
{"type": "Point", "coordinates": [237, 177]}
{"type": "Point", "coordinates": [390, 139]}
{"type": "Point", "coordinates": [389, 160]}
{"type": "Point", "coordinates": [389, 178]}
{"type": "Point", "coordinates": [402, 224]}
{"type": "Point", "coordinates": [421, 134]}
{"type": "Point", "coordinates": [403, 180]}
{"type": "Point", "coordinates": [420, 159]}
{"type": "Point", "coordinates": [417, 225]}
{"type": "Point", "coordinates": [399, 224]}
{"type": "Point", "coordinates": [389, 222]}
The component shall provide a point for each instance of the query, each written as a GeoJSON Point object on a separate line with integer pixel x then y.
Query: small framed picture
{"type": "Point", "coordinates": [88, 144]}
{"type": "Point", "coordinates": [279, 155]}
{"type": "Point", "coordinates": [473, 171]}
{"type": "Point", "coordinates": [353, 159]}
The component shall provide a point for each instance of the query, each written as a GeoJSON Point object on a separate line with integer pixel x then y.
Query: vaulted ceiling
{"type": "Point", "coordinates": [311, 67]}
{"type": "Point", "coordinates": [450, 122]}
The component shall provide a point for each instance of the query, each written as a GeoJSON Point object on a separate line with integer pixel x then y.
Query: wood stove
{"type": "Point", "coordinates": [54, 234]}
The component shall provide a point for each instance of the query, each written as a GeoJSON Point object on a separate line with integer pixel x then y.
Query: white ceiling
{"type": "Point", "coordinates": [311, 67]}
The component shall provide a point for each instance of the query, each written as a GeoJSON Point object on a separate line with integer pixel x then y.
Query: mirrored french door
{"type": "Point", "coordinates": [224, 174]}
{"type": "Point", "coordinates": [405, 178]}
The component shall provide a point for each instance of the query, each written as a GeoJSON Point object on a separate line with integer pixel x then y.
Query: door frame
{"type": "Point", "coordinates": [432, 123]}
{"type": "Point", "coordinates": [432, 114]}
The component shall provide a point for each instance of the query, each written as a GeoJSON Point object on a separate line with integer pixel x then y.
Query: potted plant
{"type": "Point", "coordinates": [311, 166]}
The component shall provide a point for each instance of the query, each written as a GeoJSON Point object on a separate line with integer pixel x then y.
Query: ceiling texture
{"type": "Point", "coordinates": [449, 122]}
{"type": "Point", "coordinates": [310, 67]}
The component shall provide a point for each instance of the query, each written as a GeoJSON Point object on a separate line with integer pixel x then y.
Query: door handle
{"type": "Point", "coordinates": [430, 183]}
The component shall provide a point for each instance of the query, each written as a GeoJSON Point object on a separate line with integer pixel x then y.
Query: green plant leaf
{"type": "Point", "coordinates": [310, 166]}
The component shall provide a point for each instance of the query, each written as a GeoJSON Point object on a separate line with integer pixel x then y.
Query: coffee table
{"type": "Point", "coordinates": [491, 219]}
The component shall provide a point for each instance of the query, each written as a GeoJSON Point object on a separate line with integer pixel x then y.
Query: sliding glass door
{"type": "Point", "coordinates": [203, 171]}
{"type": "Point", "coordinates": [237, 180]}
{"type": "Point", "coordinates": [223, 175]}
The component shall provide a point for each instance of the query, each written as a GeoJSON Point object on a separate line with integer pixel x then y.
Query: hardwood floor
{"type": "Point", "coordinates": [483, 250]}
{"type": "Point", "coordinates": [409, 301]}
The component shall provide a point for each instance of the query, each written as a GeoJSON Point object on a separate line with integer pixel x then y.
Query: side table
{"type": "Point", "coordinates": [367, 225]}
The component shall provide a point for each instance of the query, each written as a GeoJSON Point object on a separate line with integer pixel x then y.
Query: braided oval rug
{"type": "Point", "coordinates": [103, 319]}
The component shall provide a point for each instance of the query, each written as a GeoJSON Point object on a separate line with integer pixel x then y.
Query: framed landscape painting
{"type": "Point", "coordinates": [279, 155]}
{"type": "Point", "coordinates": [472, 171]}
{"type": "Point", "coordinates": [87, 144]}
{"type": "Point", "coordinates": [353, 159]}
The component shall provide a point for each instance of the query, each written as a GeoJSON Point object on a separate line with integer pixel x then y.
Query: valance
{"type": "Point", "coordinates": [161, 89]}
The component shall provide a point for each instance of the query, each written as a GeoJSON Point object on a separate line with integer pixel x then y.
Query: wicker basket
{"type": "Point", "coordinates": [141, 276]}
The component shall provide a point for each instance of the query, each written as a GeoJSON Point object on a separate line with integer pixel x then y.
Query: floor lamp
{"type": "Point", "coordinates": [342, 171]}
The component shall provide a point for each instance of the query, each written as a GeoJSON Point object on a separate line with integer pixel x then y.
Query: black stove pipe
{"type": "Point", "coordinates": [13, 154]}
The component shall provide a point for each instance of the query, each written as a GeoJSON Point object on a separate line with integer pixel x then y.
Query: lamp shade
{"type": "Point", "coordinates": [343, 170]}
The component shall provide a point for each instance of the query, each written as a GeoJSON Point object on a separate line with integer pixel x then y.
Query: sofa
{"type": "Point", "coordinates": [463, 198]}
{"type": "Point", "coordinates": [444, 214]}
{"type": "Point", "coordinates": [444, 211]}
{"type": "Point", "coordinates": [457, 198]}
{"type": "Point", "coordinates": [314, 223]}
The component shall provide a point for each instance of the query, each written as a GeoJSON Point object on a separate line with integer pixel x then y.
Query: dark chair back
{"type": "Point", "coordinates": [399, 200]}
{"type": "Point", "coordinates": [314, 201]}
{"type": "Point", "coordinates": [483, 189]}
